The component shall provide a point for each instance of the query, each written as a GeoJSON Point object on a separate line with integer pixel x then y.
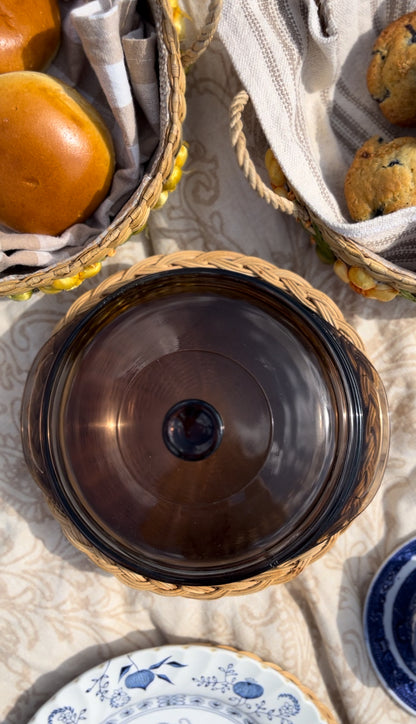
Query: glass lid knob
{"type": "Point", "coordinates": [192, 429]}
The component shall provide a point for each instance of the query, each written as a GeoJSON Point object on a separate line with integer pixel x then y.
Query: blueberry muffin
{"type": "Point", "coordinates": [391, 75]}
{"type": "Point", "coordinates": [381, 178]}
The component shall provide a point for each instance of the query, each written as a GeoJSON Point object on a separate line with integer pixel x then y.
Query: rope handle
{"type": "Point", "coordinates": [239, 143]}
{"type": "Point", "coordinates": [190, 55]}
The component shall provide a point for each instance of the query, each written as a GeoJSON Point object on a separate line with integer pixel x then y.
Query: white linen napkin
{"type": "Point", "coordinates": [304, 63]}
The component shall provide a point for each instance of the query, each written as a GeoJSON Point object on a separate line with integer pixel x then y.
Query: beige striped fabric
{"type": "Point", "coordinates": [303, 63]}
{"type": "Point", "coordinates": [110, 54]}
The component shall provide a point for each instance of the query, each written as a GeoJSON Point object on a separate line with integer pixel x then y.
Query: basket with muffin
{"type": "Point", "coordinates": [92, 101]}
{"type": "Point", "coordinates": [338, 151]}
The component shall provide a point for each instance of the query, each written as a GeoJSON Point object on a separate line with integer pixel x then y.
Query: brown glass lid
{"type": "Point", "coordinates": [200, 426]}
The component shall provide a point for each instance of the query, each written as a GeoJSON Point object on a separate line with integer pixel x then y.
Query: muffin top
{"type": "Point", "coordinates": [381, 178]}
{"type": "Point", "coordinates": [391, 75]}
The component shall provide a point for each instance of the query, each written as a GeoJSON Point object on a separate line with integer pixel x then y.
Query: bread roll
{"type": "Point", "coordinates": [30, 32]}
{"type": "Point", "coordinates": [57, 156]}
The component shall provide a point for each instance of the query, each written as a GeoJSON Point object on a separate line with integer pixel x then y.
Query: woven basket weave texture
{"type": "Point", "coordinates": [284, 280]}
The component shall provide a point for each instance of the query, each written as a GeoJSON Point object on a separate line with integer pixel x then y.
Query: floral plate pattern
{"type": "Point", "coordinates": [390, 625]}
{"type": "Point", "coordinates": [180, 685]}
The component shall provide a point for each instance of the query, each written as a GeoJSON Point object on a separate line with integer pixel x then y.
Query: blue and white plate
{"type": "Point", "coordinates": [390, 625]}
{"type": "Point", "coordinates": [181, 685]}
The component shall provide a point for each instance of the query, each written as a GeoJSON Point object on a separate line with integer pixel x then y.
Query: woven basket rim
{"type": "Point", "coordinates": [350, 251]}
{"type": "Point", "coordinates": [287, 281]}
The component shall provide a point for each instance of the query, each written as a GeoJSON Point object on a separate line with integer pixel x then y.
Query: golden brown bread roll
{"type": "Point", "coordinates": [57, 156]}
{"type": "Point", "coordinates": [30, 32]}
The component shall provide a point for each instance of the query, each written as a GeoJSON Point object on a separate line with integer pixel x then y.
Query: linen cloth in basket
{"type": "Point", "coordinates": [303, 64]}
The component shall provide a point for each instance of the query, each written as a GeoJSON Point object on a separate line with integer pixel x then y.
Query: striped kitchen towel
{"type": "Point", "coordinates": [303, 64]}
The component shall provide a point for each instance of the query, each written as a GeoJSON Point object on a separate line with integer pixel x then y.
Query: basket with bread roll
{"type": "Point", "coordinates": [324, 129]}
{"type": "Point", "coordinates": [92, 101]}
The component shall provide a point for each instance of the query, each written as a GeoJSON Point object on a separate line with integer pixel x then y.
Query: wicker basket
{"type": "Point", "coordinates": [366, 272]}
{"type": "Point", "coordinates": [312, 298]}
{"type": "Point", "coordinates": [162, 175]}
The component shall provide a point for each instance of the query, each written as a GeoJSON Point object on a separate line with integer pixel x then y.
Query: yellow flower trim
{"type": "Point", "coordinates": [173, 180]}
{"type": "Point", "coordinates": [175, 176]}
{"type": "Point", "coordinates": [182, 155]}
{"type": "Point", "coordinates": [22, 297]}
{"type": "Point", "coordinates": [361, 281]}
{"type": "Point", "coordinates": [178, 19]}
{"type": "Point", "coordinates": [276, 176]}
{"type": "Point", "coordinates": [68, 283]}
{"type": "Point", "coordinates": [90, 270]}
{"type": "Point", "coordinates": [161, 200]}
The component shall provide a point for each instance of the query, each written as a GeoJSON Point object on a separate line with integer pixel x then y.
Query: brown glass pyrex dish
{"type": "Point", "coordinates": [198, 427]}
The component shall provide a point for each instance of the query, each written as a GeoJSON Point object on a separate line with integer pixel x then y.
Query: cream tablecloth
{"type": "Point", "coordinates": [60, 615]}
